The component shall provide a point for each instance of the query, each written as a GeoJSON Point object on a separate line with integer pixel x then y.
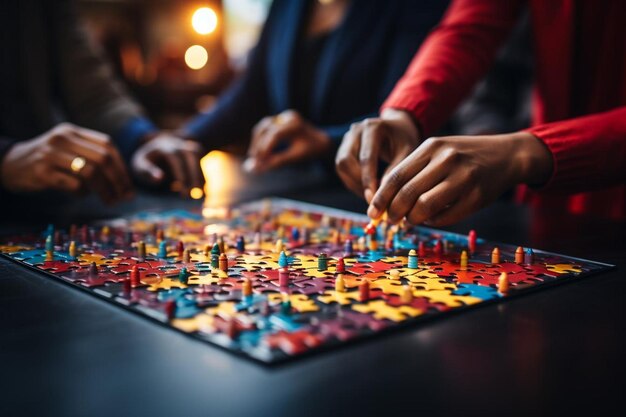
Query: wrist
{"type": "Point", "coordinates": [403, 120]}
{"type": "Point", "coordinates": [532, 158]}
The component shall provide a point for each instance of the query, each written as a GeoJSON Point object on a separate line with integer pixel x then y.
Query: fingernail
{"type": "Point", "coordinates": [373, 212]}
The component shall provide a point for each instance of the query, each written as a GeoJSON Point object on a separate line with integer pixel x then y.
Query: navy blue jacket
{"type": "Point", "coordinates": [359, 65]}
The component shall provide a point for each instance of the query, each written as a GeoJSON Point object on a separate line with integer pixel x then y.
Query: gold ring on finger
{"type": "Point", "coordinates": [78, 164]}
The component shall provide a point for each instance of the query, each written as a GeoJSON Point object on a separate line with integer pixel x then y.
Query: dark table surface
{"type": "Point", "coordinates": [65, 353]}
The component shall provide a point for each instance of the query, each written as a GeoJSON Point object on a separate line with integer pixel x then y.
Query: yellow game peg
{"type": "Point", "coordinates": [464, 261]}
{"type": "Point", "coordinates": [495, 256]}
{"type": "Point", "coordinates": [340, 285]}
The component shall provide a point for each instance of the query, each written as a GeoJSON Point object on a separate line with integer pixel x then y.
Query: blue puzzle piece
{"type": "Point", "coordinates": [478, 291]}
{"type": "Point", "coordinates": [38, 256]}
{"type": "Point", "coordinates": [371, 256]}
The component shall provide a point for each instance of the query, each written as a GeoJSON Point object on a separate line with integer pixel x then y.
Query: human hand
{"type": "Point", "coordinates": [391, 138]}
{"type": "Point", "coordinates": [304, 141]}
{"type": "Point", "coordinates": [447, 178]}
{"type": "Point", "coordinates": [67, 158]}
{"type": "Point", "coordinates": [169, 157]}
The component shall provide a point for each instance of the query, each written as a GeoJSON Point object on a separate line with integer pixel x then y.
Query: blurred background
{"type": "Point", "coordinates": [175, 56]}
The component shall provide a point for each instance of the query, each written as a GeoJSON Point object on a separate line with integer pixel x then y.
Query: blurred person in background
{"type": "Point", "coordinates": [66, 124]}
{"type": "Point", "coordinates": [317, 67]}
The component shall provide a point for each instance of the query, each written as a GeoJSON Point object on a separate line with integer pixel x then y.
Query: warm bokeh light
{"type": "Point", "coordinates": [204, 20]}
{"type": "Point", "coordinates": [219, 175]}
{"type": "Point", "coordinates": [196, 193]}
{"type": "Point", "coordinates": [196, 57]}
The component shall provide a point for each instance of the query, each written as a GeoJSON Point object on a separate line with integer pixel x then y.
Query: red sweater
{"type": "Point", "coordinates": [580, 92]}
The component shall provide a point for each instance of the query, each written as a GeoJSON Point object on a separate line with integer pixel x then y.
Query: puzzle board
{"type": "Point", "coordinates": [298, 309]}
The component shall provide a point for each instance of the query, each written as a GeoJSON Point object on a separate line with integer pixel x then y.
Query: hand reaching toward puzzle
{"type": "Point", "coordinates": [169, 157]}
{"type": "Point", "coordinates": [303, 142]}
{"type": "Point", "coordinates": [67, 158]}
{"type": "Point", "coordinates": [390, 138]}
{"type": "Point", "coordinates": [447, 178]}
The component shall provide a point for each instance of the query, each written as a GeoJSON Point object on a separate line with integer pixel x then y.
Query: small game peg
{"type": "Point", "coordinates": [372, 243]}
{"type": "Point", "coordinates": [503, 283]}
{"type": "Point", "coordinates": [246, 289]}
{"type": "Point", "coordinates": [361, 243]}
{"type": "Point", "coordinates": [519, 255]}
{"type": "Point", "coordinates": [340, 268]}
{"type": "Point", "coordinates": [72, 231]}
{"type": "Point", "coordinates": [325, 221]}
{"type": "Point", "coordinates": [126, 287]}
{"type": "Point", "coordinates": [285, 306]}
{"type": "Point", "coordinates": [105, 234]}
{"type": "Point", "coordinates": [162, 249]}
{"type": "Point", "coordinates": [280, 246]}
{"type": "Point", "coordinates": [92, 235]}
{"type": "Point", "coordinates": [283, 277]}
{"type": "Point", "coordinates": [232, 330]}
{"type": "Point", "coordinates": [93, 269]}
{"type": "Point", "coordinates": [305, 235]}
{"type": "Point", "coordinates": [282, 260]}
{"type": "Point", "coordinates": [135, 280]}
{"type": "Point", "coordinates": [438, 248]}
{"type": "Point", "coordinates": [340, 285]}
{"type": "Point", "coordinates": [412, 260]}
{"type": "Point", "coordinates": [170, 309]}
{"type": "Point", "coordinates": [180, 248]}
{"type": "Point", "coordinates": [84, 234]}
{"type": "Point", "coordinates": [370, 228]}
{"type": "Point", "coordinates": [73, 253]}
{"type": "Point", "coordinates": [221, 244]}
{"type": "Point", "coordinates": [49, 256]}
{"type": "Point", "coordinates": [295, 234]}
{"type": "Point", "coordinates": [186, 256]}
{"type": "Point", "coordinates": [421, 249]}
{"type": "Point", "coordinates": [207, 250]}
{"type": "Point", "coordinates": [463, 261]}
{"type": "Point", "coordinates": [223, 262]}
{"type": "Point", "coordinates": [322, 262]}
{"type": "Point", "coordinates": [347, 248]}
{"type": "Point", "coordinates": [407, 295]}
{"type": "Point", "coordinates": [529, 257]}
{"type": "Point", "coordinates": [471, 241]}
{"type": "Point", "coordinates": [241, 244]}
{"type": "Point", "coordinates": [347, 226]}
{"type": "Point", "coordinates": [495, 256]}
{"type": "Point", "coordinates": [141, 250]}
{"type": "Point", "coordinates": [364, 291]}
{"type": "Point", "coordinates": [49, 245]}
{"type": "Point", "coordinates": [337, 237]}
{"type": "Point", "coordinates": [160, 235]}
{"type": "Point", "coordinates": [58, 238]}
{"type": "Point", "coordinates": [394, 274]}
{"type": "Point", "coordinates": [389, 244]}
{"type": "Point", "coordinates": [183, 275]}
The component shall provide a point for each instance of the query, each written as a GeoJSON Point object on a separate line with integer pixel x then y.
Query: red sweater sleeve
{"type": "Point", "coordinates": [452, 59]}
{"type": "Point", "coordinates": [589, 152]}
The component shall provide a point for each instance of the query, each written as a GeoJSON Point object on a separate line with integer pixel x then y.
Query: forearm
{"type": "Point", "coordinates": [452, 59]}
{"type": "Point", "coordinates": [587, 152]}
